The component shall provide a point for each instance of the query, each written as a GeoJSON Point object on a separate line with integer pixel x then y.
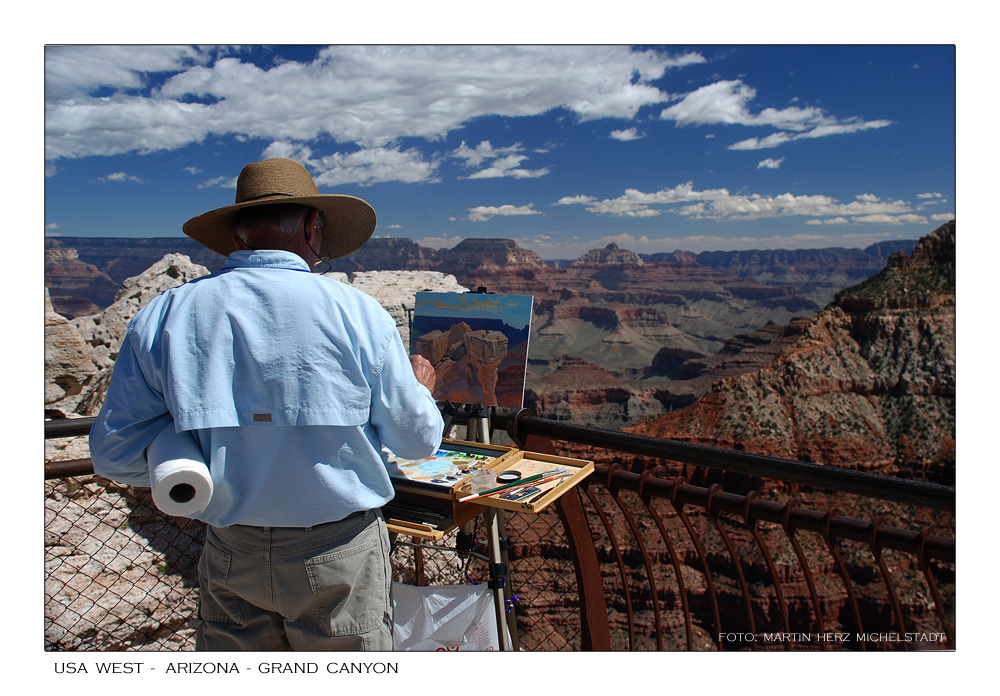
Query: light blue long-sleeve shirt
{"type": "Point", "coordinates": [289, 382]}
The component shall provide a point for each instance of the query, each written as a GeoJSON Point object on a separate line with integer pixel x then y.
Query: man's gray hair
{"type": "Point", "coordinates": [282, 217]}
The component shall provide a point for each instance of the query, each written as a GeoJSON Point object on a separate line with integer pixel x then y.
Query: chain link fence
{"type": "Point", "coordinates": [121, 575]}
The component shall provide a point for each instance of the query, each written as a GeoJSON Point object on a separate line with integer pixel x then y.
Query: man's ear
{"type": "Point", "coordinates": [312, 232]}
{"type": "Point", "coordinates": [239, 243]}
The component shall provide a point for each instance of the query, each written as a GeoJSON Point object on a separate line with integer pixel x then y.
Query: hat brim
{"type": "Point", "coordinates": [348, 223]}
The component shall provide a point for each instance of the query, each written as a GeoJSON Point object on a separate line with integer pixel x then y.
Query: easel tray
{"type": "Point", "coordinates": [532, 496]}
{"type": "Point", "coordinates": [424, 504]}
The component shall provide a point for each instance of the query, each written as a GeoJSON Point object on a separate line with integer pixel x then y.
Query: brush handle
{"type": "Point", "coordinates": [499, 489]}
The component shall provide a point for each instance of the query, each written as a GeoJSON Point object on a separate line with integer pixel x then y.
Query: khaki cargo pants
{"type": "Point", "coordinates": [276, 588]}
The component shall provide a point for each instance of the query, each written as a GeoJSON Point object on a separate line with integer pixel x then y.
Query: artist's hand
{"type": "Point", "coordinates": [423, 371]}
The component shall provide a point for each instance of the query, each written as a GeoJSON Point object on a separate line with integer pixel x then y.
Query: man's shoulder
{"type": "Point", "coordinates": [197, 291]}
{"type": "Point", "coordinates": [174, 293]}
{"type": "Point", "coordinates": [344, 290]}
{"type": "Point", "coordinates": [361, 306]}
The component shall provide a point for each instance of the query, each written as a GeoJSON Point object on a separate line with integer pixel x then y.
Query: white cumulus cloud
{"type": "Point", "coordinates": [364, 167]}
{"type": "Point", "coordinates": [119, 177]}
{"type": "Point", "coordinates": [72, 72]}
{"type": "Point", "coordinates": [483, 213]}
{"type": "Point", "coordinates": [502, 161]}
{"type": "Point", "coordinates": [721, 204]}
{"type": "Point", "coordinates": [727, 102]}
{"type": "Point", "coordinates": [626, 135]}
{"type": "Point", "coordinates": [100, 100]}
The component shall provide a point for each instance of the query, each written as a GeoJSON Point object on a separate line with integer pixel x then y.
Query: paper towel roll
{"type": "Point", "coordinates": [181, 482]}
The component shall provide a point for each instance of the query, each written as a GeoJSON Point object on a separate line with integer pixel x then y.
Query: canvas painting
{"type": "Point", "coordinates": [477, 343]}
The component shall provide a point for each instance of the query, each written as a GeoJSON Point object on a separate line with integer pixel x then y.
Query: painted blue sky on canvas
{"type": "Point", "coordinates": [512, 310]}
{"type": "Point", "coordinates": [561, 148]}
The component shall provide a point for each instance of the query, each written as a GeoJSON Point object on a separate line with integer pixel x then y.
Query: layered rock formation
{"type": "Point", "coordinates": [498, 264]}
{"type": "Point", "coordinates": [740, 354]}
{"type": "Point", "coordinates": [609, 255]}
{"type": "Point", "coordinates": [105, 331]}
{"type": "Point", "coordinates": [79, 353]}
{"type": "Point", "coordinates": [568, 388]}
{"type": "Point", "coordinates": [869, 384]}
{"type": "Point", "coordinates": [577, 390]}
{"type": "Point", "coordinates": [110, 261]}
{"type": "Point", "coordinates": [78, 287]}
{"type": "Point", "coordinates": [69, 369]}
{"type": "Point", "coordinates": [384, 254]}
{"type": "Point", "coordinates": [830, 267]}
{"type": "Point", "coordinates": [612, 308]}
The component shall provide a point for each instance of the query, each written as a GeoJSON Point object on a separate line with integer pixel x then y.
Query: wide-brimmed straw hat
{"type": "Point", "coordinates": [348, 221]}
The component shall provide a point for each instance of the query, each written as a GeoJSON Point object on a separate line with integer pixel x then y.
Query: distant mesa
{"type": "Point", "coordinates": [84, 272]}
{"type": "Point", "coordinates": [609, 255]}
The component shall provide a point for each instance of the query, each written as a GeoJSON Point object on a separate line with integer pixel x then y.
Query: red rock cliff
{"type": "Point", "coordinates": [869, 385]}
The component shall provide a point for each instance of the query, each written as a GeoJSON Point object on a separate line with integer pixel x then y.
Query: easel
{"type": "Point", "coordinates": [478, 430]}
{"type": "Point", "coordinates": [429, 513]}
{"type": "Point", "coordinates": [422, 498]}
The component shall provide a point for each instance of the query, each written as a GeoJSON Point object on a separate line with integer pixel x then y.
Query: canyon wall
{"type": "Point", "coordinates": [664, 325]}
{"type": "Point", "coordinates": [869, 384]}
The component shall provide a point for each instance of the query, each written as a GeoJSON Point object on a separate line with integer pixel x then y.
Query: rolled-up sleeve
{"type": "Point", "coordinates": [403, 411]}
{"type": "Point", "coordinates": [132, 415]}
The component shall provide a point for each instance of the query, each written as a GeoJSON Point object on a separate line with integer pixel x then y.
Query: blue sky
{"type": "Point", "coordinates": [562, 148]}
{"type": "Point", "coordinates": [513, 310]}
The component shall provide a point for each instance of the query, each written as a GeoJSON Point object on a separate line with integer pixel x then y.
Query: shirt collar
{"type": "Point", "coordinates": [265, 258]}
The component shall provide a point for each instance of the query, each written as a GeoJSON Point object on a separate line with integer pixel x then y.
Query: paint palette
{"type": "Point", "coordinates": [444, 469]}
{"type": "Point", "coordinates": [428, 504]}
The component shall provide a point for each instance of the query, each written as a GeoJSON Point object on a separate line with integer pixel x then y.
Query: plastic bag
{"type": "Point", "coordinates": [444, 617]}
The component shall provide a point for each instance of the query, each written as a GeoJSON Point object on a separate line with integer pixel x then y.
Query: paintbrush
{"type": "Point", "coordinates": [537, 478]}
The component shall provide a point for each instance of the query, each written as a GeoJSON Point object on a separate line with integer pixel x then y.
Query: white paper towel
{"type": "Point", "coordinates": [181, 482]}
